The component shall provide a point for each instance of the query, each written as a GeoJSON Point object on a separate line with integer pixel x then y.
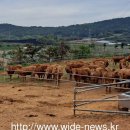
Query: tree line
{"type": "Point", "coordinates": [117, 30]}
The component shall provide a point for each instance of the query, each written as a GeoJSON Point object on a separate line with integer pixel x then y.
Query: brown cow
{"type": "Point", "coordinates": [11, 69]}
{"type": "Point", "coordinates": [40, 70]}
{"type": "Point", "coordinates": [72, 65]}
{"type": "Point", "coordinates": [116, 59]}
{"type": "Point", "coordinates": [109, 76]}
{"type": "Point", "coordinates": [50, 71]}
{"type": "Point", "coordinates": [24, 71]}
{"type": "Point", "coordinates": [128, 58]}
{"type": "Point", "coordinates": [95, 73]}
{"type": "Point", "coordinates": [81, 74]}
{"type": "Point", "coordinates": [92, 66]}
{"type": "Point", "coordinates": [57, 72]}
{"type": "Point", "coordinates": [123, 63]}
{"type": "Point", "coordinates": [125, 74]}
{"type": "Point", "coordinates": [101, 62]}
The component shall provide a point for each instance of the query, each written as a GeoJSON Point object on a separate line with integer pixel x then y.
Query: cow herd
{"type": "Point", "coordinates": [100, 71]}
{"type": "Point", "coordinates": [50, 71]}
{"type": "Point", "coordinates": [111, 70]}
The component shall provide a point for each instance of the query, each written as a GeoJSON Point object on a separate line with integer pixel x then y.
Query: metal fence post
{"type": "Point", "coordinates": [74, 99]}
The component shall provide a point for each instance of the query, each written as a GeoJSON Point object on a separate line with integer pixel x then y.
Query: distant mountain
{"type": "Point", "coordinates": [115, 29]}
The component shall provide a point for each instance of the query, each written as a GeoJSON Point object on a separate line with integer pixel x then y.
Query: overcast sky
{"type": "Point", "coordinates": [61, 12]}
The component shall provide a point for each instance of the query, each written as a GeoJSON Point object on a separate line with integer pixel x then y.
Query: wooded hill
{"type": "Point", "coordinates": [115, 29]}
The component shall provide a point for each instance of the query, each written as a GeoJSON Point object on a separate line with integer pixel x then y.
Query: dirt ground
{"type": "Point", "coordinates": [32, 102]}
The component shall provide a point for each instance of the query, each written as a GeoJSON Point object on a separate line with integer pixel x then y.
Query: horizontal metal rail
{"type": "Point", "coordinates": [98, 77]}
{"type": "Point", "coordinates": [77, 103]}
{"type": "Point", "coordinates": [80, 104]}
{"type": "Point", "coordinates": [101, 86]}
{"type": "Point", "coordinates": [101, 100]}
{"type": "Point", "coordinates": [104, 111]}
{"type": "Point", "coordinates": [122, 88]}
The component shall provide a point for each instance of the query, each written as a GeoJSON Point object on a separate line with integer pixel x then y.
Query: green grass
{"type": "Point", "coordinates": [100, 51]}
{"type": "Point", "coordinates": [6, 47]}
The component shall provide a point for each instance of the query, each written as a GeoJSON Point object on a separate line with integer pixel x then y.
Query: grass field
{"type": "Point", "coordinates": [100, 51]}
{"type": "Point", "coordinates": [5, 46]}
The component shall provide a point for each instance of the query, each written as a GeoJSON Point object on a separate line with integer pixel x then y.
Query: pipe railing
{"type": "Point", "coordinates": [77, 103]}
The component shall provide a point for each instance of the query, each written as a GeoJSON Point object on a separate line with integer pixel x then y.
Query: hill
{"type": "Point", "coordinates": [114, 29]}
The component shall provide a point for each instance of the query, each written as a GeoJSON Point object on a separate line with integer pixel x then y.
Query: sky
{"type": "Point", "coordinates": [61, 12]}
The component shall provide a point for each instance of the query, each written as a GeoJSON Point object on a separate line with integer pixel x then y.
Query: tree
{"type": "Point", "coordinates": [82, 51]}
{"type": "Point", "coordinates": [63, 50]}
{"type": "Point", "coordinates": [104, 45]}
{"type": "Point", "coordinates": [51, 52]}
{"type": "Point", "coordinates": [122, 45]}
{"type": "Point", "coordinates": [92, 45]}
{"type": "Point", "coordinates": [47, 40]}
{"type": "Point", "coordinates": [32, 50]}
{"type": "Point", "coordinates": [17, 55]}
{"type": "Point", "coordinates": [116, 45]}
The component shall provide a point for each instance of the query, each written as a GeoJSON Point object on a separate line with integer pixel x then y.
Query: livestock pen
{"type": "Point", "coordinates": [86, 87]}
{"type": "Point", "coordinates": [42, 101]}
{"type": "Point", "coordinates": [4, 78]}
{"type": "Point", "coordinates": [77, 103]}
{"type": "Point", "coordinates": [77, 90]}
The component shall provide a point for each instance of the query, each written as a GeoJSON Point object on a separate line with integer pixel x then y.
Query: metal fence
{"type": "Point", "coordinates": [28, 75]}
{"type": "Point", "coordinates": [78, 90]}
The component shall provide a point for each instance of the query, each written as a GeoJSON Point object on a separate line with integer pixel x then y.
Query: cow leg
{"type": "Point", "coordinates": [104, 80]}
{"type": "Point", "coordinates": [97, 81]}
{"type": "Point", "coordinates": [77, 84]}
{"type": "Point", "coordinates": [78, 80]}
{"type": "Point", "coordinates": [88, 79]}
{"type": "Point", "coordinates": [59, 77]}
{"type": "Point", "coordinates": [10, 77]}
{"type": "Point", "coordinates": [109, 89]}
{"type": "Point", "coordinates": [125, 85]}
{"type": "Point", "coordinates": [39, 76]}
{"type": "Point", "coordinates": [43, 75]}
{"type": "Point", "coordinates": [23, 78]}
{"type": "Point", "coordinates": [128, 85]}
{"type": "Point", "coordinates": [116, 81]}
{"type": "Point", "coordinates": [106, 89]}
{"type": "Point", "coordinates": [70, 76]}
{"type": "Point", "coordinates": [48, 76]}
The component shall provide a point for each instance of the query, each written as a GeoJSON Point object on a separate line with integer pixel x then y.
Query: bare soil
{"type": "Point", "coordinates": [32, 102]}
